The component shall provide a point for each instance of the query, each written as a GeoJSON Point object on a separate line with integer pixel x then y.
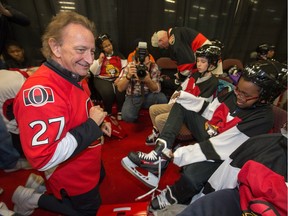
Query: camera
{"type": "Point", "coordinates": [141, 55]}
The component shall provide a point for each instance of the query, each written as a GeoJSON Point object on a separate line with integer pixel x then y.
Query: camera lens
{"type": "Point", "coordinates": [141, 71]}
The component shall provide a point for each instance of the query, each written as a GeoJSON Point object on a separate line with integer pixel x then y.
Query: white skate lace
{"type": "Point", "coordinates": [151, 156]}
{"type": "Point", "coordinates": [163, 202]}
{"type": "Point", "coordinates": [153, 135]}
{"type": "Point", "coordinates": [152, 191]}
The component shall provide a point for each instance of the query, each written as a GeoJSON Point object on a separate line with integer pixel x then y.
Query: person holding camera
{"type": "Point", "coordinates": [131, 56]}
{"type": "Point", "coordinates": [141, 80]}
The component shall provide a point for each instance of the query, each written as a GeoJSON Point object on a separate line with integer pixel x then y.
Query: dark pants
{"type": "Point", "coordinates": [192, 180]}
{"type": "Point", "coordinates": [220, 203]}
{"type": "Point", "coordinates": [17, 143]}
{"type": "Point", "coordinates": [179, 115]}
{"type": "Point", "coordinates": [108, 93]}
{"type": "Point", "coordinates": [8, 154]}
{"type": "Point", "coordinates": [86, 204]}
{"type": "Point", "coordinates": [194, 176]}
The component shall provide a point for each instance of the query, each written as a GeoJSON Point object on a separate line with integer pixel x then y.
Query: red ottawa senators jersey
{"type": "Point", "coordinates": [52, 113]}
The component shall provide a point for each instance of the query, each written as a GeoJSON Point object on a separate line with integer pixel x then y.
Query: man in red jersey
{"type": "Point", "coordinates": [61, 129]}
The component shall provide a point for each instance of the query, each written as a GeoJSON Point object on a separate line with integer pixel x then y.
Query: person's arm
{"type": "Point", "coordinates": [4, 11]}
{"type": "Point", "coordinates": [152, 79]}
{"type": "Point", "coordinates": [221, 146]}
{"type": "Point", "coordinates": [152, 85]}
{"type": "Point", "coordinates": [95, 67]}
{"type": "Point", "coordinates": [126, 76]}
{"type": "Point", "coordinates": [190, 101]}
{"type": "Point", "coordinates": [124, 64]}
{"type": "Point", "coordinates": [14, 15]}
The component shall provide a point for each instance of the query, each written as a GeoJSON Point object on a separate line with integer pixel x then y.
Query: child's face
{"type": "Point", "coordinates": [247, 93]}
{"type": "Point", "coordinates": [107, 47]}
{"type": "Point", "coordinates": [202, 64]}
{"type": "Point", "coordinates": [270, 54]}
{"type": "Point", "coordinates": [16, 53]}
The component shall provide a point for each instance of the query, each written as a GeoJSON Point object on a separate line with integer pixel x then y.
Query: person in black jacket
{"type": "Point", "coordinates": [14, 56]}
{"type": "Point", "coordinates": [9, 15]}
{"type": "Point", "coordinates": [259, 166]}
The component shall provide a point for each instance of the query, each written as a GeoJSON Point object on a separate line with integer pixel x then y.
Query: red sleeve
{"type": "Point", "coordinates": [262, 191]}
{"type": "Point", "coordinates": [199, 40]}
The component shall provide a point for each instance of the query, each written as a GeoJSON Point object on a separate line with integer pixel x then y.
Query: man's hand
{"type": "Point", "coordinates": [4, 11]}
{"type": "Point", "coordinates": [132, 71]}
{"type": "Point", "coordinates": [175, 95]}
{"type": "Point", "coordinates": [106, 128]}
{"type": "Point", "coordinates": [101, 58]}
{"type": "Point", "coordinates": [147, 78]}
{"type": "Point", "coordinates": [97, 114]}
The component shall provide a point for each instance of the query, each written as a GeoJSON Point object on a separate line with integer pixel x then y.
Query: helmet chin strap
{"type": "Point", "coordinates": [203, 74]}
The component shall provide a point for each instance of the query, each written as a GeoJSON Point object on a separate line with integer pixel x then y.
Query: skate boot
{"type": "Point", "coordinates": [154, 162]}
{"type": "Point", "coordinates": [164, 199]}
{"type": "Point", "coordinates": [151, 139]}
{"type": "Point", "coordinates": [150, 161]}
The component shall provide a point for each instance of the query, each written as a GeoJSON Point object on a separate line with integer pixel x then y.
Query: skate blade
{"type": "Point", "coordinates": [150, 180]}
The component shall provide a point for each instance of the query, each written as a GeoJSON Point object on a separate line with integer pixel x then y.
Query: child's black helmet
{"type": "Point", "coordinates": [211, 52]}
{"type": "Point", "coordinates": [270, 76]}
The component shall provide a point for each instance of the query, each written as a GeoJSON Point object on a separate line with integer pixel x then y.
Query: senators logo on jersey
{"type": "Point", "coordinates": [38, 96]}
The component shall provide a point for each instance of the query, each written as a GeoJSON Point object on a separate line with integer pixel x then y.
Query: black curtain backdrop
{"type": "Point", "coordinates": [240, 24]}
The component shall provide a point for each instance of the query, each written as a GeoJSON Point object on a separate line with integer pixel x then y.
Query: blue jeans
{"type": "Point", "coordinates": [133, 104]}
{"type": "Point", "coordinates": [218, 203]}
{"type": "Point", "coordinates": [8, 154]}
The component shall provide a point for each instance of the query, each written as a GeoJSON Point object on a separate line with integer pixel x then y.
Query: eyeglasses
{"type": "Point", "coordinates": [244, 96]}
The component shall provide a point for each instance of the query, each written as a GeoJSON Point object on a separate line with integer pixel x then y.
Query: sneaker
{"type": "Point", "coordinates": [164, 199]}
{"type": "Point", "coordinates": [36, 182]}
{"type": "Point", "coordinates": [22, 163]}
{"type": "Point", "coordinates": [151, 139]}
{"type": "Point", "coordinates": [151, 161]}
{"type": "Point", "coordinates": [25, 200]}
{"type": "Point", "coordinates": [119, 116]}
{"type": "Point", "coordinates": [5, 211]}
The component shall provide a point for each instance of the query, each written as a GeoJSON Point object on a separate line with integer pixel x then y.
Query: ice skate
{"type": "Point", "coordinates": [164, 199]}
{"type": "Point", "coordinates": [151, 139]}
{"type": "Point", "coordinates": [154, 162]}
